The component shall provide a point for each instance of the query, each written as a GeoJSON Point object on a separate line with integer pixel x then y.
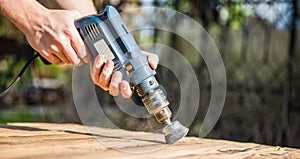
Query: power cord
{"type": "Point", "coordinates": [16, 80]}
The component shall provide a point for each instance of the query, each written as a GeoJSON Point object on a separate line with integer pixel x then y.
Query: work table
{"type": "Point", "coordinates": [50, 140]}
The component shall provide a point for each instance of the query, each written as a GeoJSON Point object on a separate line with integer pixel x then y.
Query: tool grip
{"type": "Point", "coordinates": [46, 62]}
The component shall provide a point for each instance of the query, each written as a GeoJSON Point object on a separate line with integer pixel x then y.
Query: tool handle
{"type": "Point", "coordinates": [46, 62]}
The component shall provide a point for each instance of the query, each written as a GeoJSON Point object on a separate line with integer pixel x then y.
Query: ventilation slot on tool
{"type": "Point", "coordinates": [117, 66]}
{"type": "Point", "coordinates": [92, 30]}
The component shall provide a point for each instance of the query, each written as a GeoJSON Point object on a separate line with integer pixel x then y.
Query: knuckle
{"type": "Point", "coordinates": [106, 72]}
{"type": "Point", "coordinates": [105, 88]}
{"type": "Point", "coordinates": [114, 94]}
{"type": "Point", "coordinates": [114, 85]}
{"type": "Point", "coordinates": [111, 92]}
{"type": "Point", "coordinates": [68, 31]}
{"type": "Point", "coordinates": [59, 38]}
{"type": "Point", "coordinates": [75, 13]}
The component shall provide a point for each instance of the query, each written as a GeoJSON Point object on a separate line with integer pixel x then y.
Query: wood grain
{"type": "Point", "coordinates": [45, 140]}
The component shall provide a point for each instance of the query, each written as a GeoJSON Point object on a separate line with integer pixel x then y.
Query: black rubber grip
{"type": "Point", "coordinates": [44, 60]}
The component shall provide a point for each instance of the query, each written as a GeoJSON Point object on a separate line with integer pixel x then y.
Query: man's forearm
{"type": "Point", "coordinates": [21, 14]}
{"type": "Point", "coordinates": [85, 7]}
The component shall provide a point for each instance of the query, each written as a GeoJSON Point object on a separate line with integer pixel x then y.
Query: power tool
{"type": "Point", "coordinates": [107, 34]}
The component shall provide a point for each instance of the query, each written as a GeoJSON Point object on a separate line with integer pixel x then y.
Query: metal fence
{"type": "Point", "coordinates": [262, 77]}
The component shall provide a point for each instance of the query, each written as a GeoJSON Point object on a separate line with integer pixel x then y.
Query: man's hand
{"type": "Point", "coordinates": [113, 82]}
{"type": "Point", "coordinates": [56, 38]}
{"type": "Point", "coordinates": [50, 32]}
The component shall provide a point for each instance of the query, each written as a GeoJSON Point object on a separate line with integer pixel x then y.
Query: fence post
{"type": "Point", "coordinates": [286, 132]}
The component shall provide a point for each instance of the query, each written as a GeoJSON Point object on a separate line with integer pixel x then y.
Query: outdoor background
{"type": "Point", "coordinates": [258, 41]}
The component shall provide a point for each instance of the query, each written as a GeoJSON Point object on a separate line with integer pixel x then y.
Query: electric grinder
{"type": "Point", "coordinates": [107, 34]}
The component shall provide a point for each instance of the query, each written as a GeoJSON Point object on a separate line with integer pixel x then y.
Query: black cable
{"type": "Point", "coordinates": [3, 93]}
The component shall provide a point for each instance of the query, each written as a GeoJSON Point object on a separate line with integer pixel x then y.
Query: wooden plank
{"type": "Point", "coordinates": [45, 140]}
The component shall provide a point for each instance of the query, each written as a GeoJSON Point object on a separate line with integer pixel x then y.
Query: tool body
{"type": "Point", "coordinates": [107, 34]}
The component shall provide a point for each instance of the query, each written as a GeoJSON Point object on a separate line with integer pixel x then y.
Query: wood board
{"type": "Point", "coordinates": [50, 140]}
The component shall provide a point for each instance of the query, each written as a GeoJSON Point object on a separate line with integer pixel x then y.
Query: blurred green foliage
{"type": "Point", "coordinates": [183, 6]}
{"type": "Point", "coordinates": [21, 115]}
{"type": "Point", "coordinates": [62, 73]}
{"type": "Point", "coordinates": [235, 14]}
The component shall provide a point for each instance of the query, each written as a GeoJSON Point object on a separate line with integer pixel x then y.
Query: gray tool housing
{"type": "Point", "coordinates": [107, 34]}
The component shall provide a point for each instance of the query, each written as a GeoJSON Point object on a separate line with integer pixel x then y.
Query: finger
{"type": "Point", "coordinates": [50, 57]}
{"type": "Point", "coordinates": [63, 57]}
{"type": "Point", "coordinates": [60, 54]}
{"type": "Point", "coordinates": [125, 89]}
{"type": "Point", "coordinates": [77, 43]}
{"type": "Point", "coordinates": [106, 74]}
{"type": "Point", "coordinates": [114, 84]}
{"type": "Point", "coordinates": [92, 69]}
{"type": "Point", "coordinates": [70, 52]}
{"type": "Point", "coordinates": [81, 62]}
{"type": "Point", "coordinates": [54, 59]}
{"type": "Point", "coordinates": [79, 47]}
{"type": "Point", "coordinates": [92, 63]}
{"type": "Point", "coordinates": [97, 65]}
{"type": "Point", "coordinates": [152, 59]}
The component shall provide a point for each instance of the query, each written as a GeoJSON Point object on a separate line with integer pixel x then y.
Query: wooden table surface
{"type": "Point", "coordinates": [45, 140]}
